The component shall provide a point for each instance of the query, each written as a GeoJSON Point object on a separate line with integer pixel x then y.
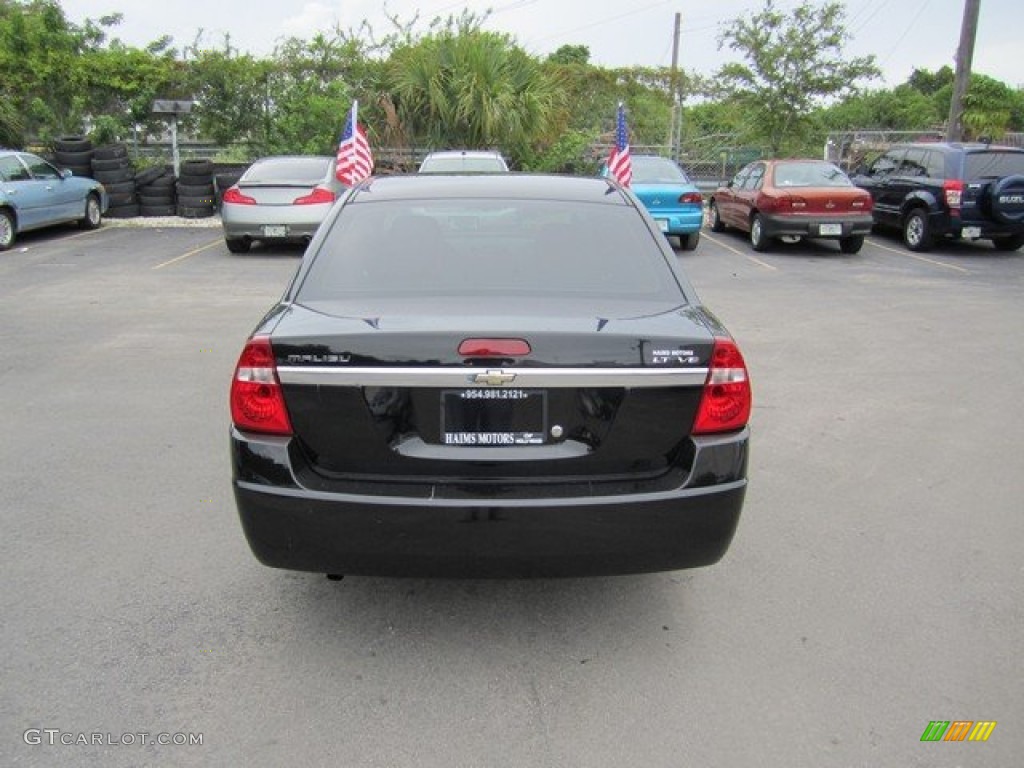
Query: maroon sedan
{"type": "Point", "coordinates": [792, 199]}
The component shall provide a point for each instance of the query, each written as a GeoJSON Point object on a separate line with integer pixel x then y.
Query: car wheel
{"type": "Point", "coordinates": [916, 233]}
{"type": "Point", "coordinates": [6, 230]}
{"type": "Point", "coordinates": [851, 244]}
{"type": "Point", "coordinates": [717, 225]}
{"type": "Point", "coordinates": [238, 244]}
{"type": "Point", "coordinates": [689, 242]}
{"type": "Point", "coordinates": [93, 215]}
{"type": "Point", "coordinates": [758, 240]}
{"type": "Point", "coordinates": [1011, 243]}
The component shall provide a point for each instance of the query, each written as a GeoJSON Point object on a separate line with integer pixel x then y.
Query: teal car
{"type": "Point", "coordinates": [674, 202]}
{"type": "Point", "coordinates": [36, 194]}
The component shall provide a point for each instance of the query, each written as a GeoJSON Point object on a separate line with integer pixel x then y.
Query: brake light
{"type": "Point", "coordinates": [257, 402]}
{"type": "Point", "coordinates": [726, 400]}
{"type": "Point", "coordinates": [691, 197]}
{"type": "Point", "coordinates": [317, 196]}
{"type": "Point", "coordinates": [234, 195]}
{"type": "Point", "coordinates": [494, 348]}
{"type": "Point", "coordinates": [953, 192]}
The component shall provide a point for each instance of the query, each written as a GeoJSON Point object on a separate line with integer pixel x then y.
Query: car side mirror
{"type": "Point", "coordinates": [65, 173]}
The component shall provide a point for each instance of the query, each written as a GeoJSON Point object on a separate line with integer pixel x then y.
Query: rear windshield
{"type": "Point", "coordinates": [810, 175]}
{"type": "Point", "coordinates": [651, 170]}
{"type": "Point", "coordinates": [463, 164]}
{"type": "Point", "coordinates": [300, 169]}
{"type": "Point", "coordinates": [489, 247]}
{"type": "Point", "coordinates": [980, 165]}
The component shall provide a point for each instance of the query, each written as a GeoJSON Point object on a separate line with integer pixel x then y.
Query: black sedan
{"type": "Point", "coordinates": [499, 375]}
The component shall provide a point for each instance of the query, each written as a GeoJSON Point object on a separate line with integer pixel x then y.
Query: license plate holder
{"type": "Point", "coordinates": [275, 230]}
{"type": "Point", "coordinates": [830, 229]}
{"type": "Point", "coordinates": [662, 224]}
{"type": "Point", "coordinates": [493, 417]}
{"type": "Point", "coordinates": [970, 233]}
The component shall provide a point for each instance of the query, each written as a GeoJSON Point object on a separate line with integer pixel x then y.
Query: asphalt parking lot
{"type": "Point", "coordinates": [875, 584]}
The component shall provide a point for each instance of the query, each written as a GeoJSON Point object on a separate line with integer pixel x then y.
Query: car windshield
{"type": "Point", "coordinates": [308, 170]}
{"type": "Point", "coordinates": [505, 248]}
{"type": "Point", "coordinates": [651, 170]}
{"type": "Point", "coordinates": [463, 164]}
{"type": "Point", "coordinates": [810, 175]}
{"type": "Point", "coordinates": [991, 164]}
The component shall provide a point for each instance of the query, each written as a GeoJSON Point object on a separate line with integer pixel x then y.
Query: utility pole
{"type": "Point", "coordinates": [675, 129]}
{"type": "Point", "coordinates": [964, 56]}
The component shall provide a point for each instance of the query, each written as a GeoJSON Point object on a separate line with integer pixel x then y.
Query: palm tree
{"type": "Point", "coordinates": [472, 89]}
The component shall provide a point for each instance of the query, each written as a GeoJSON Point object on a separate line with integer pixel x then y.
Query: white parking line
{"type": "Point", "coordinates": [729, 248]}
{"type": "Point", "coordinates": [925, 259]}
{"type": "Point", "coordinates": [193, 252]}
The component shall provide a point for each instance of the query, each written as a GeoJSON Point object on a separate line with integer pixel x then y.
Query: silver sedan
{"type": "Point", "coordinates": [281, 199]}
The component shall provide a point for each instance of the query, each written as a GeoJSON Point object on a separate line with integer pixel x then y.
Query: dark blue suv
{"type": "Point", "coordinates": [932, 190]}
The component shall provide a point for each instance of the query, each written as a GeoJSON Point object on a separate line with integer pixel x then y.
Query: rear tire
{"type": "Point", "coordinates": [6, 230]}
{"type": "Point", "coordinates": [237, 244]}
{"type": "Point", "coordinates": [93, 215]}
{"type": "Point", "coordinates": [689, 242]}
{"type": "Point", "coordinates": [851, 244]}
{"type": "Point", "coordinates": [1011, 243]}
{"type": "Point", "coordinates": [917, 235]}
{"type": "Point", "coordinates": [758, 240]}
{"type": "Point", "coordinates": [717, 225]}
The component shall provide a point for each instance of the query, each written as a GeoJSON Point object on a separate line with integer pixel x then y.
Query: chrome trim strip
{"type": "Point", "coordinates": [462, 378]}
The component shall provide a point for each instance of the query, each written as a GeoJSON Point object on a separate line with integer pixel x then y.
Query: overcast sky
{"type": "Point", "coordinates": [902, 34]}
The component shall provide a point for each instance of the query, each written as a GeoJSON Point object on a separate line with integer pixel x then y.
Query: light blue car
{"type": "Point", "coordinates": [35, 194]}
{"type": "Point", "coordinates": [674, 202]}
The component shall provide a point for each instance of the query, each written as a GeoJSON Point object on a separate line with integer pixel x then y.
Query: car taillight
{"type": "Point", "coordinates": [318, 195]}
{"type": "Point", "coordinates": [726, 400]}
{"type": "Point", "coordinates": [234, 195]}
{"type": "Point", "coordinates": [953, 191]}
{"type": "Point", "coordinates": [691, 197]}
{"type": "Point", "coordinates": [257, 402]}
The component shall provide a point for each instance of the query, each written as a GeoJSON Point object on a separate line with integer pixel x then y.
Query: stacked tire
{"type": "Point", "coordinates": [156, 192]}
{"type": "Point", "coordinates": [74, 153]}
{"type": "Point", "coordinates": [112, 168]}
{"type": "Point", "coordinates": [196, 196]}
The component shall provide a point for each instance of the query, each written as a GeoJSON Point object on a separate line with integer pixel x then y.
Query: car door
{"type": "Point", "coordinates": [59, 201]}
{"type": "Point", "coordinates": [727, 198]}
{"type": "Point", "coordinates": [25, 195]}
{"type": "Point", "coordinates": [882, 181]}
{"type": "Point", "coordinates": [746, 198]}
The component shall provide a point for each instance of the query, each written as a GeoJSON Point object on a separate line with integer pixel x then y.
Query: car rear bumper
{"type": "Point", "coordinates": [300, 222]}
{"type": "Point", "coordinates": [489, 535]}
{"type": "Point", "coordinates": [810, 226]}
{"type": "Point", "coordinates": [679, 222]}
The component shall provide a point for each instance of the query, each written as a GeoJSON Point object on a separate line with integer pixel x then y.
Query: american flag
{"type": "Point", "coordinates": [355, 160]}
{"type": "Point", "coordinates": [619, 164]}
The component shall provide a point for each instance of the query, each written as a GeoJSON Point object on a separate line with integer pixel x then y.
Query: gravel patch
{"type": "Point", "coordinates": [162, 222]}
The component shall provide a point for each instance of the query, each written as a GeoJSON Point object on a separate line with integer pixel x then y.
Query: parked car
{"type": "Point", "coordinates": [934, 190]}
{"type": "Point", "coordinates": [279, 199]}
{"type": "Point", "coordinates": [36, 194]}
{"type": "Point", "coordinates": [464, 161]}
{"type": "Point", "coordinates": [671, 198]}
{"type": "Point", "coordinates": [491, 375]}
{"type": "Point", "coordinates": [793, 199]}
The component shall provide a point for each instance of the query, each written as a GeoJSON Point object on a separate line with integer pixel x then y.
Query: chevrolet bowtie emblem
{"type": "Point", "coordinates": [494, 378]}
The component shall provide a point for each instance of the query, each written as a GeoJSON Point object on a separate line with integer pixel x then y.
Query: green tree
{"type": "Point", "coordinates": [462, 86]}
{"type": "Point", "coordinates": [991, 108]}
{"type": "Point", "coordinates": [793, 62]}
{"type": "Point", "coordinates": [232, 94]}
